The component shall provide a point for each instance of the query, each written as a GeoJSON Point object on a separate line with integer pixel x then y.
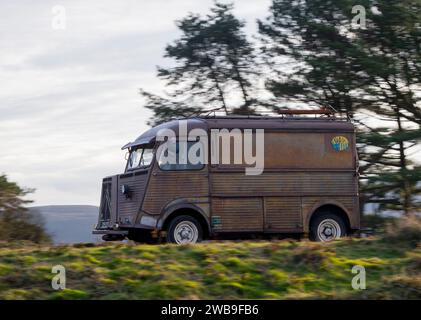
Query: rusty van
{"type": "Point", "coordinates": [308, 184]}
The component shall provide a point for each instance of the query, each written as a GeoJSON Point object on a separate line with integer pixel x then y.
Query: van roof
{"type": "Point", "coordinates": [298, 124]}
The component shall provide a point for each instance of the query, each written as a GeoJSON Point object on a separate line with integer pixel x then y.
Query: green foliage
{"type": "Point", "coordinates": [376, 222]}
{"type": "Point", "coordinates": [405, 285]}
{"type": "Point", "coordinates": [16, 222]}
{"type": "Point", "coordinates": [217, 270]}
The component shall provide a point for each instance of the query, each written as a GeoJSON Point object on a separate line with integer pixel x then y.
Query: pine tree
{"type": "Point", "coordinates": [213, 60]}
{"type": "Point", "coordinates": [16, 222]}
{"type": "Point", "coordinates": [372, 69]}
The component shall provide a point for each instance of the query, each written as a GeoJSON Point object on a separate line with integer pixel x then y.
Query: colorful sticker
{"type": "Point", "coordinates": [340, 143]}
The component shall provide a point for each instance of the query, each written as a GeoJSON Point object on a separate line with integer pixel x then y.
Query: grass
{"type": "Point", "coordinates": [217, 270]}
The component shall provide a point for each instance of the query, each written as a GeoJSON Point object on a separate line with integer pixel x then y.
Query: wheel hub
{"type": "Point", "coordinates": [329, 230]}
{"type": "Point", "coordinates": [186, 232]}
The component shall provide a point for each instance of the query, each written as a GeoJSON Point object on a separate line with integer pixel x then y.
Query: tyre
{"type": "Point", "coordinates": [184, 229]}
{"type": "Point", "coordinates": [327, 227]}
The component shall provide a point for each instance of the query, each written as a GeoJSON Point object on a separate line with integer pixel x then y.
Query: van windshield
{"type": "Point", "coordinates": [140, 158]}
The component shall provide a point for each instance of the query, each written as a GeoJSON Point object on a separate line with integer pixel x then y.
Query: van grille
{"type": "Point", "coordinates": [105, 207]}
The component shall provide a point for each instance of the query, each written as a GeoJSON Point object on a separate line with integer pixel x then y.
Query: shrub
{"type": "Point", "coordinates": [404, 230]}
{"type": "Point", "coordinates": [17, 223]}
{"type": "Point", "coordinates": [377, 223]}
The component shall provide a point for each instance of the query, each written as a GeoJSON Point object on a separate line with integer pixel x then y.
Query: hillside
{"type": "Point", "coordinates": [215, 270]}
{"type": "Point", "coordinates": [70, 224]}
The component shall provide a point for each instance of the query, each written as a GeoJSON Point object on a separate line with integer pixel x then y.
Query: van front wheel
{"type": "Point", "coordinates": [184, 229]}
{"type": "Point", "coordinates": [327, 227]}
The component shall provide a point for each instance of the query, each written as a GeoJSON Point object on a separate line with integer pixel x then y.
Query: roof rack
{"type": "Point", "coordinates": [324, 113]}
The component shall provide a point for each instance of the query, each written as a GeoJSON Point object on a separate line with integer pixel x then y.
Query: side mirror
{"type": "Point", "coordinates": [126, 156]}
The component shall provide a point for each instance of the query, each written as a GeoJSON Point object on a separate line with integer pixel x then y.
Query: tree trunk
{"type": "Point", "coordinates": [244, 108]}
{"type": "Point", "coordinates": [217, 85]}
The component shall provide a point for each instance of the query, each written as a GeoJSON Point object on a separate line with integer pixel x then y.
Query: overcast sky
{"type": "Point", "coordinates": [69, 97]}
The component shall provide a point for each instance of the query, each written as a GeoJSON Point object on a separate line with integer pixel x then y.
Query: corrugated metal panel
{"type": "Point", "coordinates": [283, 214]}
{"type": "Point", "coordinates": [130, 206]}
{"type": "Point", "coordinates": [309, 202]}
{"type": "Point", "coordinates": [284, 183]}
{"type": "Point", "coordinates": [237, 215]}
{"type": "Point", "coordinates": [167, 186]}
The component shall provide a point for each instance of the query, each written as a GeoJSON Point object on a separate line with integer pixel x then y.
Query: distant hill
{"type": "Point", "coordinates": [70, 224]}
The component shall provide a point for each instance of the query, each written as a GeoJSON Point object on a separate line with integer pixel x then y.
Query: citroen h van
{"type": "Point", "coordinates": [308, 183]}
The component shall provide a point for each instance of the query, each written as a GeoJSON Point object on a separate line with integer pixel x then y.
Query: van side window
{"type": "Point", "coordinates": [172, 158]}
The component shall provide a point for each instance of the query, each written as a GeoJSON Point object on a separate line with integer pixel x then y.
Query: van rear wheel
{"type": "Point", "coordinates": [327, 227]}
{"type": "Point", "coordinates": [184, 229]}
